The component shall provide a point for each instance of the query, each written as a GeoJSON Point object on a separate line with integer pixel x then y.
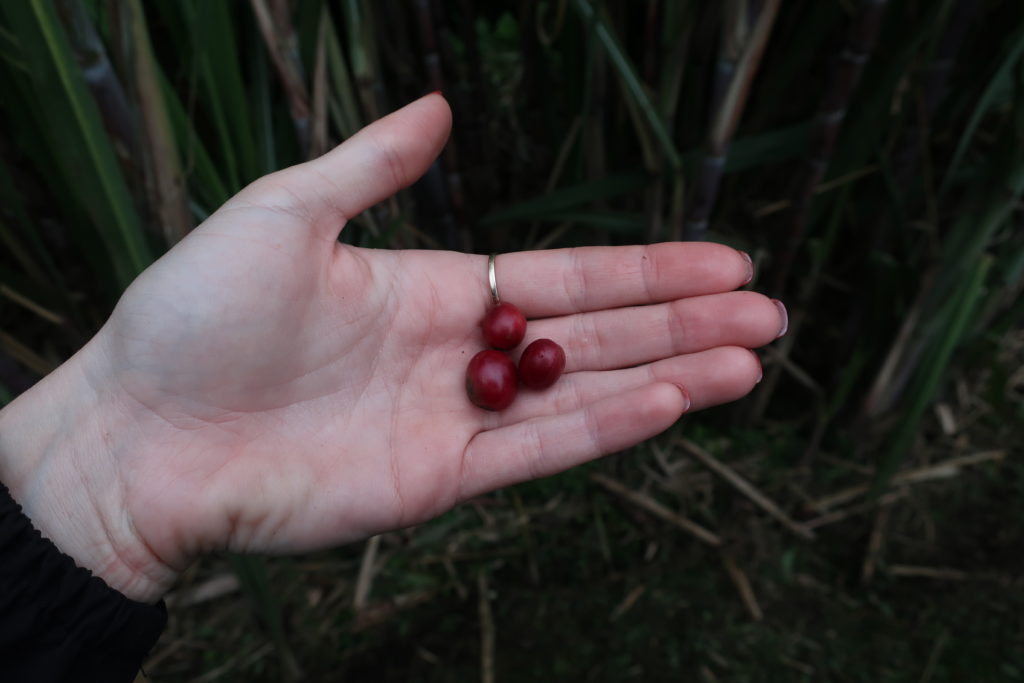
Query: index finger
{"type": "Point", "coordinates": [565, 281]}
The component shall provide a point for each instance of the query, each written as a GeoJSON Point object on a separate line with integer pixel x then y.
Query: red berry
{"type": "Point", "coordinates": [504, 326]}
{"type": "Point", "coordinates": [491, 380]}
{"type": "Point", "coordinates": [541, 364]}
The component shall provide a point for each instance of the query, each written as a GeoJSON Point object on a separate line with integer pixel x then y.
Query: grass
{"type": "Point", "coordinates": [892, 234]}
{"type": "Point", "coordinates": [621, 595]}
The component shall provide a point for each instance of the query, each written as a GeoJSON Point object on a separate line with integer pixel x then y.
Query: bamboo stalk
{"type": "Point", "coordinates": [845, 74]}
{"type": "Point", "coordinates": [595, 118]}
{"type": "Point", "coordinates": [278, 33]}
{"type": "Point", "coordinates": [164, 180]}
{"type": "Point", "coordinates": [452, 198]}
{"type": "Point", "coordinates": [103, 83]}
{"type": "Point", "coordinates": [676, 38]}
{"type": "Point", "coordinates": [747, 26]}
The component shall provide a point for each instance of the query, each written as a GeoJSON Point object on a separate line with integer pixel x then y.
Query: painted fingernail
{"type": "Point", "coordinates": [750, 267]}
{"type": "Point", "coordinates": [686, 397]}
{"type": "Point", "coordinates": [760, 368]}
{"type": "Point", "coordinates": [784, 315]}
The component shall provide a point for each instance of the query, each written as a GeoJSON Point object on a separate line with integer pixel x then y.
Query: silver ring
{"type": "Point", "coordinates": [492, 279]}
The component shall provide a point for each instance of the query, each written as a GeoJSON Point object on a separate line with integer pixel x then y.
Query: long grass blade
{"type": "Point", "coordinates": [626, 72]}
{"type": "Point", "coordinates": [931, 372]}
{"type": "Point", "coordinates": [569, 198]}
{"type": "Point", "coordinates": [998, 86]}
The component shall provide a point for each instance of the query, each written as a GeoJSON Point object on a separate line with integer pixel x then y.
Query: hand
{"type": "Point", "coordinates": [263, 387]}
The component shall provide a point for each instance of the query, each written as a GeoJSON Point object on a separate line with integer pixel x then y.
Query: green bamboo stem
{"type": "Point", "coordinates": [448, 191]}
{"type": "Point", "coordinates": [746, 32]}
{"type": "Point", "coordinates": [842, 83]}
{"type": "Point", "coordinates": [102, 80]}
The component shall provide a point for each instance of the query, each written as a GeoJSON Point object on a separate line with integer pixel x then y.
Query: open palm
{"type": "Point", "coordinates": [297, 392]}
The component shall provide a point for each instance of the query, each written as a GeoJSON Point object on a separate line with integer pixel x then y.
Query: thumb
{"type": "Point", "coordinates": [375, 163]}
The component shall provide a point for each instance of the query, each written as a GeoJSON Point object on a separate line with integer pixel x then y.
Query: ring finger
{"type": "Point", "coordinates": [625, 337]}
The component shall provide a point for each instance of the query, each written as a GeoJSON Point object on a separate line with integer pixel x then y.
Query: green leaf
{"type": "Point", "coordinates": [212, 29]}
{"type": "Point", "coordinates": [930, 373]}
{"type": "Point", "coordinates": [1000, 85]}
{"type": "Point", "coordinates": [630, 80]}
{"type": "Point", "coordinates": [204, 177]}
{"type": "Point", "coordinates": [613, 221]}
{"type": "Point", "coordinates": [86, 159]}
{"type": "Point", "coordinates": [568, 198]}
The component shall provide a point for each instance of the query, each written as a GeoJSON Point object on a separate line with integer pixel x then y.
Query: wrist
{"type": "Point", "coordinates": [62, 445]}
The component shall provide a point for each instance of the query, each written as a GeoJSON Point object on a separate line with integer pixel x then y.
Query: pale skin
{"type": "Point", "coordinates": [266, 388]}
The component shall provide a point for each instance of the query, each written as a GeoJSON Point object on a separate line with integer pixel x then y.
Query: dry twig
{"type": "Point", "coordinates": [627, 602]}
{"type": "Point", "coordinates": [747, 489]}
{"type": "Point", "coordinates": [486, 630]}
{"type": "Point", "coordinates": [867, 571]}
{"type": "Point", "coordinates": [739, 578]}
{"type": "Point", "coordinates": [367, 571]}
{"type": "Point", "coordinates": [942, 470]}
{"type": "Point", "coordinates": [844, 513]}
{"type": "Point", "coordinates": [657, 509]}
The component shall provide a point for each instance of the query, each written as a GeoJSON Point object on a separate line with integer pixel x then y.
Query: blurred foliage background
{"type": "Point", "coordinates": [859, 517]}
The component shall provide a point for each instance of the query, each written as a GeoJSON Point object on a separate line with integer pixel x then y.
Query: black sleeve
{"type": "Point", "coordinates": [58, 622]}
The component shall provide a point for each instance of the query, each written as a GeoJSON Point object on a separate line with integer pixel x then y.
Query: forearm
{"type": "Point", "coordinates": [59, 457]}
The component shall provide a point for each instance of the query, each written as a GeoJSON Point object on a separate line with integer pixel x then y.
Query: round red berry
{"type": "Point", "coordinates": [504, 326]}
{"type": "Point", "coordinates": [491, 380]}
{"type": "Point", "coordinates": [541, 364]}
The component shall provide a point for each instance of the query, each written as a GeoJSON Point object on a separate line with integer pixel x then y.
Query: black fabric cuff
{"type": "Point", "coordinates": [59, 622]}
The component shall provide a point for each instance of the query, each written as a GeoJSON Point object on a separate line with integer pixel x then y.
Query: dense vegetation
{"type": "Point", "coordinates": [865, 505]}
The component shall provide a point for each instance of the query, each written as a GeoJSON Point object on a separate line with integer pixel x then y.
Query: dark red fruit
{"type": "Point", "coordinates": [504, 326]}
{"type": "Point", "coordinates": [491, 380]}
{"type": "Point", "coordinates": [541, 364]}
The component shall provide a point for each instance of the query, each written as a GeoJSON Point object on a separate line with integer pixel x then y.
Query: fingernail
{"type": "Point", "coordinates": [784, 315]}
{"type": "Point", "coordinates": [436, 92]}
{"type": "Point", "coordinates": [686, 397]}
{"type": "Point", "coordinates": [760, 368]}
{"type": "Point", "coordinates": [750, 267]}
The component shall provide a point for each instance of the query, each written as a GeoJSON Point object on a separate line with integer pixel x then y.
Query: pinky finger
{"type": "Point", "coordinates": [542, 446]}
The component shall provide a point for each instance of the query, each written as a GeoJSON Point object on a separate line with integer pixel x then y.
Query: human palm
{"type": "Point", "coordinates": [296, 392]}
